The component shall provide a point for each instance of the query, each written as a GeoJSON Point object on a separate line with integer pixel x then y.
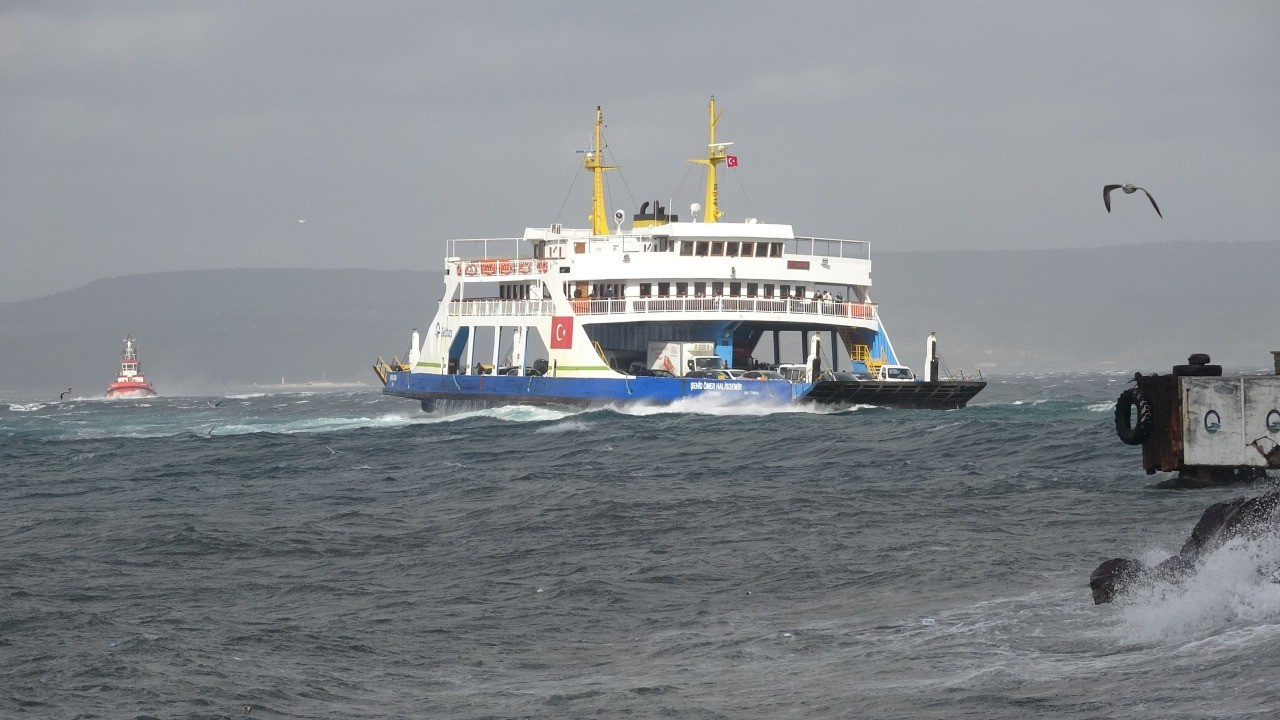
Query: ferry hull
{"type": "Point", "coordinates": [491, 390]}
{"type": "Point", "coordinates": [437, 391]}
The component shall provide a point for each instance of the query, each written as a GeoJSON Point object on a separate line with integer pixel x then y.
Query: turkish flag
{"type": "Point", "coordinates": [562, 332]}
{"type": "Point", "coordinates": [731, 160]}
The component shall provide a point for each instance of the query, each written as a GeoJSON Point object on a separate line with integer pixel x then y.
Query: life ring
{"type": "Point", "coordinates": [525, 267]}
{"type": "Point", "coordinates": [472, 269]}
{"type": "Point", "coordinates": [504, 267]}
{"type": "Point", "coordinates": [488, 267]}
{"type": "Point", "coordinates": [542, 266]}
{"type": "Point", "coordinates": [1139, 431]}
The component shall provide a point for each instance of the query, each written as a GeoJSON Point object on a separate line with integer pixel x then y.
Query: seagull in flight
{"type": "Point", "coordinates": [63, 395]}
{"type": "Point", "coordinates": [302, 220]}
{"type": "Point", "coordinates": [1128, 189]}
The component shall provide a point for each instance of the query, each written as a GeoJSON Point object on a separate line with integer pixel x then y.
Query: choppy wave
{"type": "Point", "coordinates": [346, 555]}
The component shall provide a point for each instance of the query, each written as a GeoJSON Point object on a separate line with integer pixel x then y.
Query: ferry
{"type": "Point", "coordinates": [660, 311]}
{"type": "Point", "coordinates": [130, 383]}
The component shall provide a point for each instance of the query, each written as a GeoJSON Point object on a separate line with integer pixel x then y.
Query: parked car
{"type": "Point", "coordinates": [762, 375]}
{"type": "Point", "coordinates": [709, 374]}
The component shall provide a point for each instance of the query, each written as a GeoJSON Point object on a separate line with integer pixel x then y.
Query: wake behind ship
{"type": "Point", "coordinates": [662, 311]}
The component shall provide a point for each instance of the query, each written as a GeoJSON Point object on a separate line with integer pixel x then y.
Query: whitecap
{"type": "Point", "coordinates": [27, 407]}
{"type": "Point", "coordinates": [564, 427]}
{"type": "Point", "coordinates": [1231, 587]}
{"type": "Point", "coordinates": [726, 407]}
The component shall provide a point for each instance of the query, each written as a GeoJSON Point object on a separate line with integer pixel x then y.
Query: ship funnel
{"type": "Point", "coordinates": [647, 218]}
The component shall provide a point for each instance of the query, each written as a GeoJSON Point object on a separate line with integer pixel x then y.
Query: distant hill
{"type": "Point", "coordinates": [1141, 307]}
{"type": "Point", "coordinates": [1134, 307]}
{"type": "Point", "coordinates": [210, 331]}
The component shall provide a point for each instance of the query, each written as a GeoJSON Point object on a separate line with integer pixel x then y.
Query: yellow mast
{"type": "Point", "coordinates": [594, 162]}
{"type": "Point", "coordinates": [715, 156]}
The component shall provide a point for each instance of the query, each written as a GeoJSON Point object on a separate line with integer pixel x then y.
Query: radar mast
{"type": "Point", "coordinates": [715, 155]}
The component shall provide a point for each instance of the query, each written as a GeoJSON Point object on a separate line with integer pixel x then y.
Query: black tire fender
{"type": "Point", "coordinates": [1137, 432]}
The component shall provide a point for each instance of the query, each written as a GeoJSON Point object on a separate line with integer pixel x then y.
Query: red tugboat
{"type": "Point", "coordinates": [130, 383]}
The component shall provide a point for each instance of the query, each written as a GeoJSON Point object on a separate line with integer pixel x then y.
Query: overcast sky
{"type": "Point", "coordinates": [137, 137]}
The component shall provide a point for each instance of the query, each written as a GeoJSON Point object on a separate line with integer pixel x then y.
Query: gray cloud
{"type": "Point", "coordinates": [171, 135]}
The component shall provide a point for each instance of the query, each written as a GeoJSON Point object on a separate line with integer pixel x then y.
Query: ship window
{"type": "Point", "coordinates": [735, 289]}
{"type": "Point", "coordinates": [682, 289]}
{"type": "Point", "coordinates": [784, 291]}
{"type": "Point", "coordinates": [751, 289]}
{"type": "Point", "coordinates": [717, 288]}
{"type": "Point", "coordinates": [768, 290]}
{"type": "Point", "coordinates": [800, 291]}
{"type": "Point", "coordinates": [748, 249]}
{"type": "Point", "coordinates": [731, 249]}
{"type": "Point", "coordinates": [775, 250]}
{"type": "Point", "coordinates": [702, 248]}
{"type": "Point", "coordinates": [700, 289]}
{"type": "Point", "coordinates": [717, 248]}
{"type": "Point", "coordinates": [646, 289]}
{"type": "Point", "coordinates": [686, 248]}
{"type": "Point", "coordinates": [664, 289]}
{"type": "Point", "coordinates": [762, 249]}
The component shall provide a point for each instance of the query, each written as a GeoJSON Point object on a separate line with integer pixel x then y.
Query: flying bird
{"type": "Point", "coordinates": [1128, 190]}
{"type": "Point", "coordinates": [213, 404]}
{"type": "Point", "coordinates": [63, 395]}
{"type": "Point", "coordinates": [302, 220]}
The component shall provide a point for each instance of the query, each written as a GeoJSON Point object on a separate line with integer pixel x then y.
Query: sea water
{"type": "Point", "coordinates": [344, 555]}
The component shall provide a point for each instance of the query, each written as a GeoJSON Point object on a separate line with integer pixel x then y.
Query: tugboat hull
{"type": "Point", "coordinates": [130, 390]}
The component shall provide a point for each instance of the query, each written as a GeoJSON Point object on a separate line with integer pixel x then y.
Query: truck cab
{"type": "Point", "coordinates": [895, 373]}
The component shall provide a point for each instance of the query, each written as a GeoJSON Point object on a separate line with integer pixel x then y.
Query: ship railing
{"type": "Point", "coordinates": [514, 248]}
{"type": "Point", "coordinates": [491, 307]}
{"type": "Point", "coordinates": [769, 306]}
{"type": "Point", "coordinates": [489, 248]}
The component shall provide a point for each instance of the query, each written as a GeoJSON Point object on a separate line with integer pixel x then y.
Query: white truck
{"type": "Point", "coordinates": [681, 358]}
{"type": "Point", "coordinates": [899, 373]}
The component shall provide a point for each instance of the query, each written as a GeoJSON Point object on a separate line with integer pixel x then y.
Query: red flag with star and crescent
{"type": "Point", "coordinates": [562, 332]}
{"type": "Point", "coordinates": [731, 160]}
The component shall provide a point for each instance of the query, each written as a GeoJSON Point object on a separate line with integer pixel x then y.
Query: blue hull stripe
{"type": "Point", "coordinates": [657, 390]}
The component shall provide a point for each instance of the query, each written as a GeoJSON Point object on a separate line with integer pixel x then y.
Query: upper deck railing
{"type": "Point", "coordinates": [491, 307]}
{"type": "Point", "coordinates": [522, 249]}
